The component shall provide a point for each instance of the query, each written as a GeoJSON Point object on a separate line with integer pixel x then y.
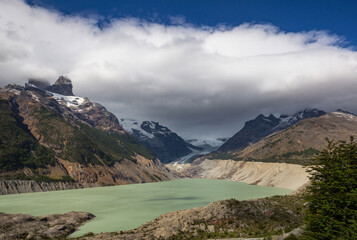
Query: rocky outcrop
{"type": "Point", "coordinates": [56, 226]}
{"type": "Point", "coordinates": [283, 175]}
{"type": "Point", "coordinates": [222, 219]}
{"type": "Point", "coordinates": [98, 116]}
{"type": "Point", "coordinates": [62, 86]}
{"type": "Point", "coordinates": [27, 186]}
{"type": "Point", "coordinates": [260, 127]}
{"type": "Point", "coordinates": [124, 172]}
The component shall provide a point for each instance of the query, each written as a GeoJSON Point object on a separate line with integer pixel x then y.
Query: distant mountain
{"type": "Point", "coordinates": [165, 144]}
{"type": "Point", "coordinates": [207, 146]}
{"type": "Point", "coordinates": [215, 143]}
{"type": "Point", "coordinates": [302, 140]}
{"type": "Point", "coordinates": [260, 127]}
{"type": "Point", "coordinates": [56, 136]}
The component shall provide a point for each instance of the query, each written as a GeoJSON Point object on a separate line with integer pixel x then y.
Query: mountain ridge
{"type": "Point", "coordinates": [262, 126]}
{"type": "Point", "coordinates": [50, 137]}
{"type": "Point", "coordinates": [301, 141]}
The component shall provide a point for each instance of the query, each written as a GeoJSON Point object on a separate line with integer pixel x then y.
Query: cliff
{"type": "Point", "coordinates": [26, 186]}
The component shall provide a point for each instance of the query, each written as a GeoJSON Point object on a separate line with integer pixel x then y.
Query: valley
{"type": "Point", "coordinates": [74, 153]}
{"type": "Point", "coordinates": [178, 120]}
{"type": "Point", "coordinates": [67, 140]}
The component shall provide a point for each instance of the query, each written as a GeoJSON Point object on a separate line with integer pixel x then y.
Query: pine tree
{"type": "Point", "coordinates": [332, 195]}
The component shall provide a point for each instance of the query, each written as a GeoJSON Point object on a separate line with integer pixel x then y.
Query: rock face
{"type": "Point", "coordinates": [46, 136]}
{"type": "Point", "coordinates": [165, 144]}
{"type": "Point", "coordinates": [260, 127]}
{"type": "Point", "coordinates": [23, 186]}
{"type": "Point", "coordinates": [56, 226]}
{"type": "Point", "coordinates": [62, 86]}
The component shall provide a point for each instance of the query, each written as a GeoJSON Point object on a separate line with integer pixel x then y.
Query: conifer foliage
{"type": "Point", "coordinates": [332, 196]}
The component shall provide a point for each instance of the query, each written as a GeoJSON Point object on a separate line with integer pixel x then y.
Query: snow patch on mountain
{"type": "Point", "coordinates": [348, 116]}
{"type": "Point", "coordinates": [69, 101]}
{"type": "Point", "coordinates": [133, 126]}
{"type": "Point", "coordinates": [288, 120]}
{"type": "Point", "coordinates": [165, 144]}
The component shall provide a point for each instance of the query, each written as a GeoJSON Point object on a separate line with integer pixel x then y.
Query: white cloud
{"type": "Point", "coordinates": [197, 80]}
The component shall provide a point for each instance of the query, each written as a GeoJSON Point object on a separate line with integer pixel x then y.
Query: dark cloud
{"type": "Point", "coordinates": [199, 81]}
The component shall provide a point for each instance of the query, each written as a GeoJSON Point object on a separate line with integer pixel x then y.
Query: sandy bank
{"type": "Point", "coordinates": [291, 176]}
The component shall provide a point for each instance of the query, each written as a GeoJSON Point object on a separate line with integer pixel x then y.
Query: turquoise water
{"type": "Point", "coordinates": [127, 207]}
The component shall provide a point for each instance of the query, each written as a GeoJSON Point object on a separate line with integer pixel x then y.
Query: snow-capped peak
{"type": "Point", "coordinates": [69, 101]}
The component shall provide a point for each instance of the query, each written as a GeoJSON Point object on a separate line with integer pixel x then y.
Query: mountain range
{"type": "Point", "coordinates": [48, 134]}
{"type": "Point", "coordinates": [165, 144]}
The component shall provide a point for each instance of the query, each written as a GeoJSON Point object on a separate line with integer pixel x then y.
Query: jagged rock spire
{"type": "Point", "coordinates": [63, 86]}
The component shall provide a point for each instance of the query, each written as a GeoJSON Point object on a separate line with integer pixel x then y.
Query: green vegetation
{"type": "Point", "coordinates": [308, 153]}
{"type": "Point", "coordinates": [67, 139]}
{"type": "Point", "coordinates": [270, 216]}
{"type": "Point", "coordinates": [114, 144]}
{"type": "Point", "coordinates": [332, 210]}
{"type": "Point", "coordinates": [78, 142]}
{"type": "Point", "coordinates": [18, 148]}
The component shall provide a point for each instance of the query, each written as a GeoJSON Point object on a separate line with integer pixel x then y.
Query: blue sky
{"type": "Point", "coordinates": [335, 16]}
{"type": "Point", "coordinates": [202, 68]}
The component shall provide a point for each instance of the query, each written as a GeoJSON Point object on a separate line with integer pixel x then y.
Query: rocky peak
{"type": "Point", "coordinates": [154, 128]}
{"type": "Point", "coordinates": [262, 121]}
{"type": "Point", "coordinates": [62, 86]}
{"type": "Point", "coordinates": [309, 113]}
{"type": "Point", "coordinates": [165, 144]}
{"type": "Point", "coordinates": [70, 106]}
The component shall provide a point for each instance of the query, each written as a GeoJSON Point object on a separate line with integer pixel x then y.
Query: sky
{"type": "Point", "coordinates": [202, 68]}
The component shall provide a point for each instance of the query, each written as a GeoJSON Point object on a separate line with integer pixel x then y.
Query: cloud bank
{"type": "Point", "coordinates": [200, 81]}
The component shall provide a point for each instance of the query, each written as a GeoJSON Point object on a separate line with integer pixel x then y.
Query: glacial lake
{"type": "Point", "coordinates": [127, 207]}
